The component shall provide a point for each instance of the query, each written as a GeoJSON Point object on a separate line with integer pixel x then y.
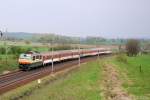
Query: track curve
{"type": "Point", "coordinates": [19, 78]}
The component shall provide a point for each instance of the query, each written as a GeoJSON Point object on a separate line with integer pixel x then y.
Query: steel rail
{"type": "Point", "coordinates": [21, 79]}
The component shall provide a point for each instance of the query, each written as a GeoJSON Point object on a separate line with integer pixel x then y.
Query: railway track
{"type": "Point", "coordinates": [18, 78]}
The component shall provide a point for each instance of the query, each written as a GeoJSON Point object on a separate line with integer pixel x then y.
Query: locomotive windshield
{"type": "Point", "coordinates": [25, 56]}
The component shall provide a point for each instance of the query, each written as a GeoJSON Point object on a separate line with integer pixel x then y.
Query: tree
{"type": "Point", "coordinates": [132, 47]}
{"type": "Point", "coordinates": [27, 42]}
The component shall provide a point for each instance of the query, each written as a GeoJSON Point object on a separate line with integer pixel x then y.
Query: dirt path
{"type": "Point", "coordinates": [112, 84]}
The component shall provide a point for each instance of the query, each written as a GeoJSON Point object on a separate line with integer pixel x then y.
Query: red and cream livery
{"type": "Point", "coordinates": [32, 59]}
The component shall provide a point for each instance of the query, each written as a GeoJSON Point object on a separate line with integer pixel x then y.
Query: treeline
{"type": "Point", "coordinates": [60, 39]}
{"type": "Point", "coordinates": [50, 38]}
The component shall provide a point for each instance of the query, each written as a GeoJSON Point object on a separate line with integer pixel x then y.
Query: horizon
{"type": "Point", "coordinates": [105, 37]}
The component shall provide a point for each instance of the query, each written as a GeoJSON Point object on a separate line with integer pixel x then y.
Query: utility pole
{"type": "Point", "coordinates": [79, 52]}
{"type": "Point", "coordinates": [97, 47]}
{"type": "Point", "coordinates": [52, 56]}
{"type": "Point", "coordinates": [1, 33]}
{"type": "Point", "coordinates": [6, 45]}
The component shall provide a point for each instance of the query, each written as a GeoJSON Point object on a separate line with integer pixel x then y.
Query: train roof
{"type": "Point", "coordinates": [58, 52]}
{"type": "Point", "coordinates": [62, 51]}
{"type": "Point", "coordinates": [69, 51]}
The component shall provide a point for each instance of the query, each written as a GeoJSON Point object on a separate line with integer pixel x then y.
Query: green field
{"type": "Point", "coordinates": [137, 81]}
{"type": "Point", "coordinates": [80, 84]}
{"type": "Point", "coordinates": [8, 65]}
{"type": "Point", "coordinates": [86, 82]}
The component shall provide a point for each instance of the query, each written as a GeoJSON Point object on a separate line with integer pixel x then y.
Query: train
{"type": "Point", "coordinates": [32, 59]}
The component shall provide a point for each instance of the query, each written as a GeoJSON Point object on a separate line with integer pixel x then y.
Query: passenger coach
{"type": "Point", "coordinates": [32, 59]}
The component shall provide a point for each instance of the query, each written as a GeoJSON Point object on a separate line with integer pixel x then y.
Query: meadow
{"type": "Point", "coordinates": [135, 72]}
{"type": "Point", "coordinates": [82, 83]}
{"type": "Point", "coordinates": [86, 82]}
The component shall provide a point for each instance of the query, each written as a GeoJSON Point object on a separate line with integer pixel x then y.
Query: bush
{"type": "Point", "coordinates": [2, 50]}
{"type": "Point", "coordinates": [1, 58]}
{"type": "Point", "coordinates": [132, 47]}
{"type": "Point", "coordinates": [121, 58]}
{"type": "Point", "coordinates": [27, 42]}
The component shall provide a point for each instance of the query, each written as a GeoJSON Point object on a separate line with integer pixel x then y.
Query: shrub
{"type": "Point", "coordinates": [132, 47]}
{"type": "Point", "coordinates": [121, 58]}
{"type": "Point", "coordinates": [2, 50]}
{"type": "Point", "coordinates": [27, 42]}
{"type": "Point", "coordinates": [15, 50]}
{"type": "Point", "coordinates": [1, 58]}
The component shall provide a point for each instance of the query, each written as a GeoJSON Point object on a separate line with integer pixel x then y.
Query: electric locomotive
{"type": "Point", "coordinates": [30, 60]}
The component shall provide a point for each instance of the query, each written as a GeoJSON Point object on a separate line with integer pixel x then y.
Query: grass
{"type": "Point", "coordinates": [139, 84]}
{"type": "Point", "coordinates": [82, 83]}
{"type": "Point", "coordinates": [11, 64]}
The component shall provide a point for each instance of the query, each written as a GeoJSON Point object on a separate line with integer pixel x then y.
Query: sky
{"type": "Point", "coordinates": [106, 18]}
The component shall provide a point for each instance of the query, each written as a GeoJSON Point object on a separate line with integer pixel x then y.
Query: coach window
{"type": "Point", "coordinates": [40, 57]}
{"type": "Point", "coordinates": [43, 57]}
{"type": "Point", "coordinates": [37, 57]}
{"type": "Point", "coordinates": [33, 57]}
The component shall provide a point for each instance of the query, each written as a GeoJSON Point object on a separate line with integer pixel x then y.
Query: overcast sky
{"type": "Point", "coordinates": [108, 18]}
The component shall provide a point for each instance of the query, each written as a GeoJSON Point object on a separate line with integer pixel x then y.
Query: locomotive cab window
{"type": "Point", "coordinates": [25, 56]}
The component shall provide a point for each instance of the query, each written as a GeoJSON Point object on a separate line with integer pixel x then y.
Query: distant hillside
{"type": "Point", "coordinates": [47, 38]}
{"type": "Point", "coordinates": [19, 35]}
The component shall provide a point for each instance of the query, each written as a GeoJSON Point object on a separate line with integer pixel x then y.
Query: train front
{"type": "Point", "coordinates": [25, 60]}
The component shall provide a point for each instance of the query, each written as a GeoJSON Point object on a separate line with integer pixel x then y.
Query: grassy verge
{"type": "Point", "coordinates": [83, 83]}
{"type": "Point", "coordinates": [138, 82]}
{"type": "Point", "coordinates": [8, 65]}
